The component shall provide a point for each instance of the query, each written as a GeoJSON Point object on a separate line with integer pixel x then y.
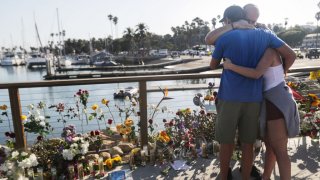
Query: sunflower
{"type": "Point", "coordinates": [128, 122]}
{"type": "Point", "coordinates": [105, 101]}
{"type": "Point", "coordinates": [109, 163]}
{"type": "Point", "coordinates": [4, 107]}
{"type": "Point", "coordinates": [94, 107]}
{"type": "Point", "coordinates": [23, 117]}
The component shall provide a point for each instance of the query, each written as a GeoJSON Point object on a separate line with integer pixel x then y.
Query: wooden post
{"type": "Point", "coordinates": [143, 113]}
{"type": "Point", "coordinates": [16, 118]}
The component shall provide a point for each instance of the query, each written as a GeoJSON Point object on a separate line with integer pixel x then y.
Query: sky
{"type": "Point", "coordinates": [84, 19]}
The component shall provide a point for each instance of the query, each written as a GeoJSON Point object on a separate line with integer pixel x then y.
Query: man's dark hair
{"type": "Point", "coordinates": [233, 13]}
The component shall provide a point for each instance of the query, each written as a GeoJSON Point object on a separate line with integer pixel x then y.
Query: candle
{"type": "Point", "coordinates": [204, 150]}
{"type": "Point", "coordinates": [30, 173]}
{"type": "Point", "coordinates": [145, 148]}
{"type": "Point", "coordinates": [101, 165]}
{"type": "Point", "coordinates": [152, 156]}
{"type": "Point", "coordinates": [80, 171]}
{"type": "Point", "coordinates": [143, 158]}
{"type": "Point", "coordinates": [53, 173]}
{"type": "Point", "coordinates": [160, 155]}
{"type": "Point", "coordinates": [71, 171]}
{"type": "Point", "coordinates": [40, 173]}
{"type": "Point", "coordinates": [91, 170]}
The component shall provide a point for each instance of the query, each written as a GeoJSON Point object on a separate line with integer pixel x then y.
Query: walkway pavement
{"type": "Point", "coordinates": [304, 154]}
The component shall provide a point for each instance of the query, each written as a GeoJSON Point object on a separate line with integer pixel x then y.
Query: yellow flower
{"type": "Point", "coordinates": [165, 92]}
{"type": "Point", "coordinates": [318, 74]}
{"type": "Point", "coordinates": [117, 158]}
{"type": "Point", "coordinates": [313, 75]}
{"type": "Point", "coordinates": [135, 150]}
{"type": "Point", "coordinates": [4, 107]}
{"type": "Point", "coordinates": [23, 117]}
{"type": "Point", "coordinates": [105, 101]}
{"type": "Point", "coordinates": [109, 163]}
{"type": "Point", "coordinates": [94, 107]}
{"type": "Point", "coordinates": [188, 111]}
{"type": "Point", "coordinates": [119, 127]}
{"type": "Point", "coordinates": [128, 122]}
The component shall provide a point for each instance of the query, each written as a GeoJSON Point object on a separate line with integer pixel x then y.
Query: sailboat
{"type": "Point", "coordinates": [12, 58]}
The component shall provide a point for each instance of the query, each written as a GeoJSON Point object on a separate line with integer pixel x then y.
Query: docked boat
{"type": "Point", "coordinates": [105, 63]}
{"type": "Point", "coordinates": [128, 91]}
{"type": "Point", "coordinates": [36, 59]}
{"type": "Point", "coordinates": [12, 59]}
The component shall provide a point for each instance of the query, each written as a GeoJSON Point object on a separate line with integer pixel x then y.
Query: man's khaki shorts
{"type": "Point", "coordinates": [233, 115]}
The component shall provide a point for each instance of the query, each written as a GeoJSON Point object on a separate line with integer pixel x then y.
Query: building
{"type": "Point", "coordinates": [311, 41]}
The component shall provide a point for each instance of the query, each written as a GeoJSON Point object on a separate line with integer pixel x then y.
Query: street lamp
{"type": "Point", "coordinates": [317, 18]}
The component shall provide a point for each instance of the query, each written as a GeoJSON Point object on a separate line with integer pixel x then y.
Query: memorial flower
{"type": "Point", "coordinates": [36, 121]}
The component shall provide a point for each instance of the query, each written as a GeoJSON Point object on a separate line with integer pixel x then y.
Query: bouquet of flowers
{"type": "Point", "coordinates": [16, 162]}
{"type": "Point", "coordinates": [35, 121]}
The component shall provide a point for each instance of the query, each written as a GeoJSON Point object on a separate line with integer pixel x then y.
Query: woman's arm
{"type": "Point", "coordinates": [266, 61]}
{"type": "Point", "coordinates": [213, 35]}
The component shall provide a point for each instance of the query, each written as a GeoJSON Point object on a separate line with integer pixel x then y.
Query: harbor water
{"type": "Point", "coordinates": [65, 95]}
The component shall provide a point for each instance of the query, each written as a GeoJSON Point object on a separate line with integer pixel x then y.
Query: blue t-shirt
{"type": "Point", "coordinates": [244, 48]}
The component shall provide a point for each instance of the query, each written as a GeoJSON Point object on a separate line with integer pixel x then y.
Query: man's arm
{"type": "Point", "coordinates": [214, 63]}
{"type": "Point", "coordinates": [267, 59]}
{"type": "Point", "coordinates": [213, 35]}
{"type": "Point", "coordinates": [288, 56]}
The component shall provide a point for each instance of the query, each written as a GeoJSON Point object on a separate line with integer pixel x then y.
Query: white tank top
{"type": "Point", "coordinates": [272, 77]}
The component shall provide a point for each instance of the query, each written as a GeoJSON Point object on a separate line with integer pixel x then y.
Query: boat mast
{"type": "Point", "coordinates": [37, 32]}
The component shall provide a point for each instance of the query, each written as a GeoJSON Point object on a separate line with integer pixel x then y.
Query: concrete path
{"type": "Point", "coordinates": [304, 154]}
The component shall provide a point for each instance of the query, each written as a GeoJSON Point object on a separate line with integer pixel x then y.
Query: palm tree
{"type": "Point", "coordinates": [115, 21]}
{"type": "Point", "coordinates": [128, 36]}
{"type": "Point", "coordinates": [141, 33]}
{"type": "Point", "coordinates": [110, 19]}
{"type": "Point", "coordinates": [214, 23]}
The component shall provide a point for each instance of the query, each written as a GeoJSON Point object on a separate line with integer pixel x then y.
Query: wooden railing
{"type": "Point", "coordinates": [15, 105]}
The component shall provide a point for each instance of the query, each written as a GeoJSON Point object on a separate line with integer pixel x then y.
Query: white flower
{"type": "Point", "coordinates": [23, 154]}
{"type": "Point", "coordinates": [14, 154]}
{"type": "Point", "coordinates": [164, 108]}
{"type": "Point", "coordinates": [127, 98]}
{"type": "Point", "coordinates": [100, 111]}
{"type": "Point", "coordinates": [67, 154]}
{"type": "Point", "coordinates": [26, 163]}
{"type": "Point", "coordinates": [3, 167]}
{"type": "Point", "coordinates": [42, 123]}
{"type": "Point", "coordinates": [74, 146]}
{"type": "Point", "coordinates": [75, 139]}
{"type": "Point", "coordinates": [41, 118]}
{"type": "Point", "coordinates": [84, 111]}
{"type": "Point", "coordinates": [33, 159]}
{"type": "Point", "coordinates": [30, 106]}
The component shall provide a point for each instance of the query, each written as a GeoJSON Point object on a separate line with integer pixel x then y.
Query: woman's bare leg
{"type": "Point", "coordinates": [270, 159]}
{"type": "Point", "coordinates": [278, 140]}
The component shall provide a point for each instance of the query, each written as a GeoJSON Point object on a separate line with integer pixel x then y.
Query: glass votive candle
{"type": "Point", "coordinates": [80, 171]}
{"type": "Point", "coordinates": [71, 171]}
{"type": "Point", "coordinates": [40, 173]}
{"type": "Point", "coordinates": [101, 165]}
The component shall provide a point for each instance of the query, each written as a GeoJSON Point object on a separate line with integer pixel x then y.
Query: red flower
{"type": "Point", "coordinates": [164, 120]}
{"type": "Point", "coordinates": [97, 132]}
{"type": "Point", "coordinates": [110, 121]}
{"type": "Point", "coordinates": [202, 112]}
{"type": "Point", "coordinates": [138, 113]}
{"type": "Point", "coordinates": [7, 134]}
{"type": "Point", "coordinates": [92, 133]}
{"type": "Point", "coordinates": [150, 121]}
{"type": "Point", "coordinates": [12, 135]}
{"type": "Point", "coordinates": [39, 138]}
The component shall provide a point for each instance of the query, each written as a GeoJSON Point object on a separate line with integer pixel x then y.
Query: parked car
{"type": "Point", "coordinates": [313, 53]}
{"type": "Point", "coordinates": [298, 53]}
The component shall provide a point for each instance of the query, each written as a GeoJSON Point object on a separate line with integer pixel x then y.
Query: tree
{"type": "Point", "coordinates": [110, 17]}
{"type": "Point", "coordinates": [115, 21]}
{"type": "Point", "coordinates": [141, 34]}
{"type": "Point", "coordinates": [128, 36]}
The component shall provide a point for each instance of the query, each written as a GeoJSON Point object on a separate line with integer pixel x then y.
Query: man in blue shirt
{"type": "Point", "coordinates": [240, 97]}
